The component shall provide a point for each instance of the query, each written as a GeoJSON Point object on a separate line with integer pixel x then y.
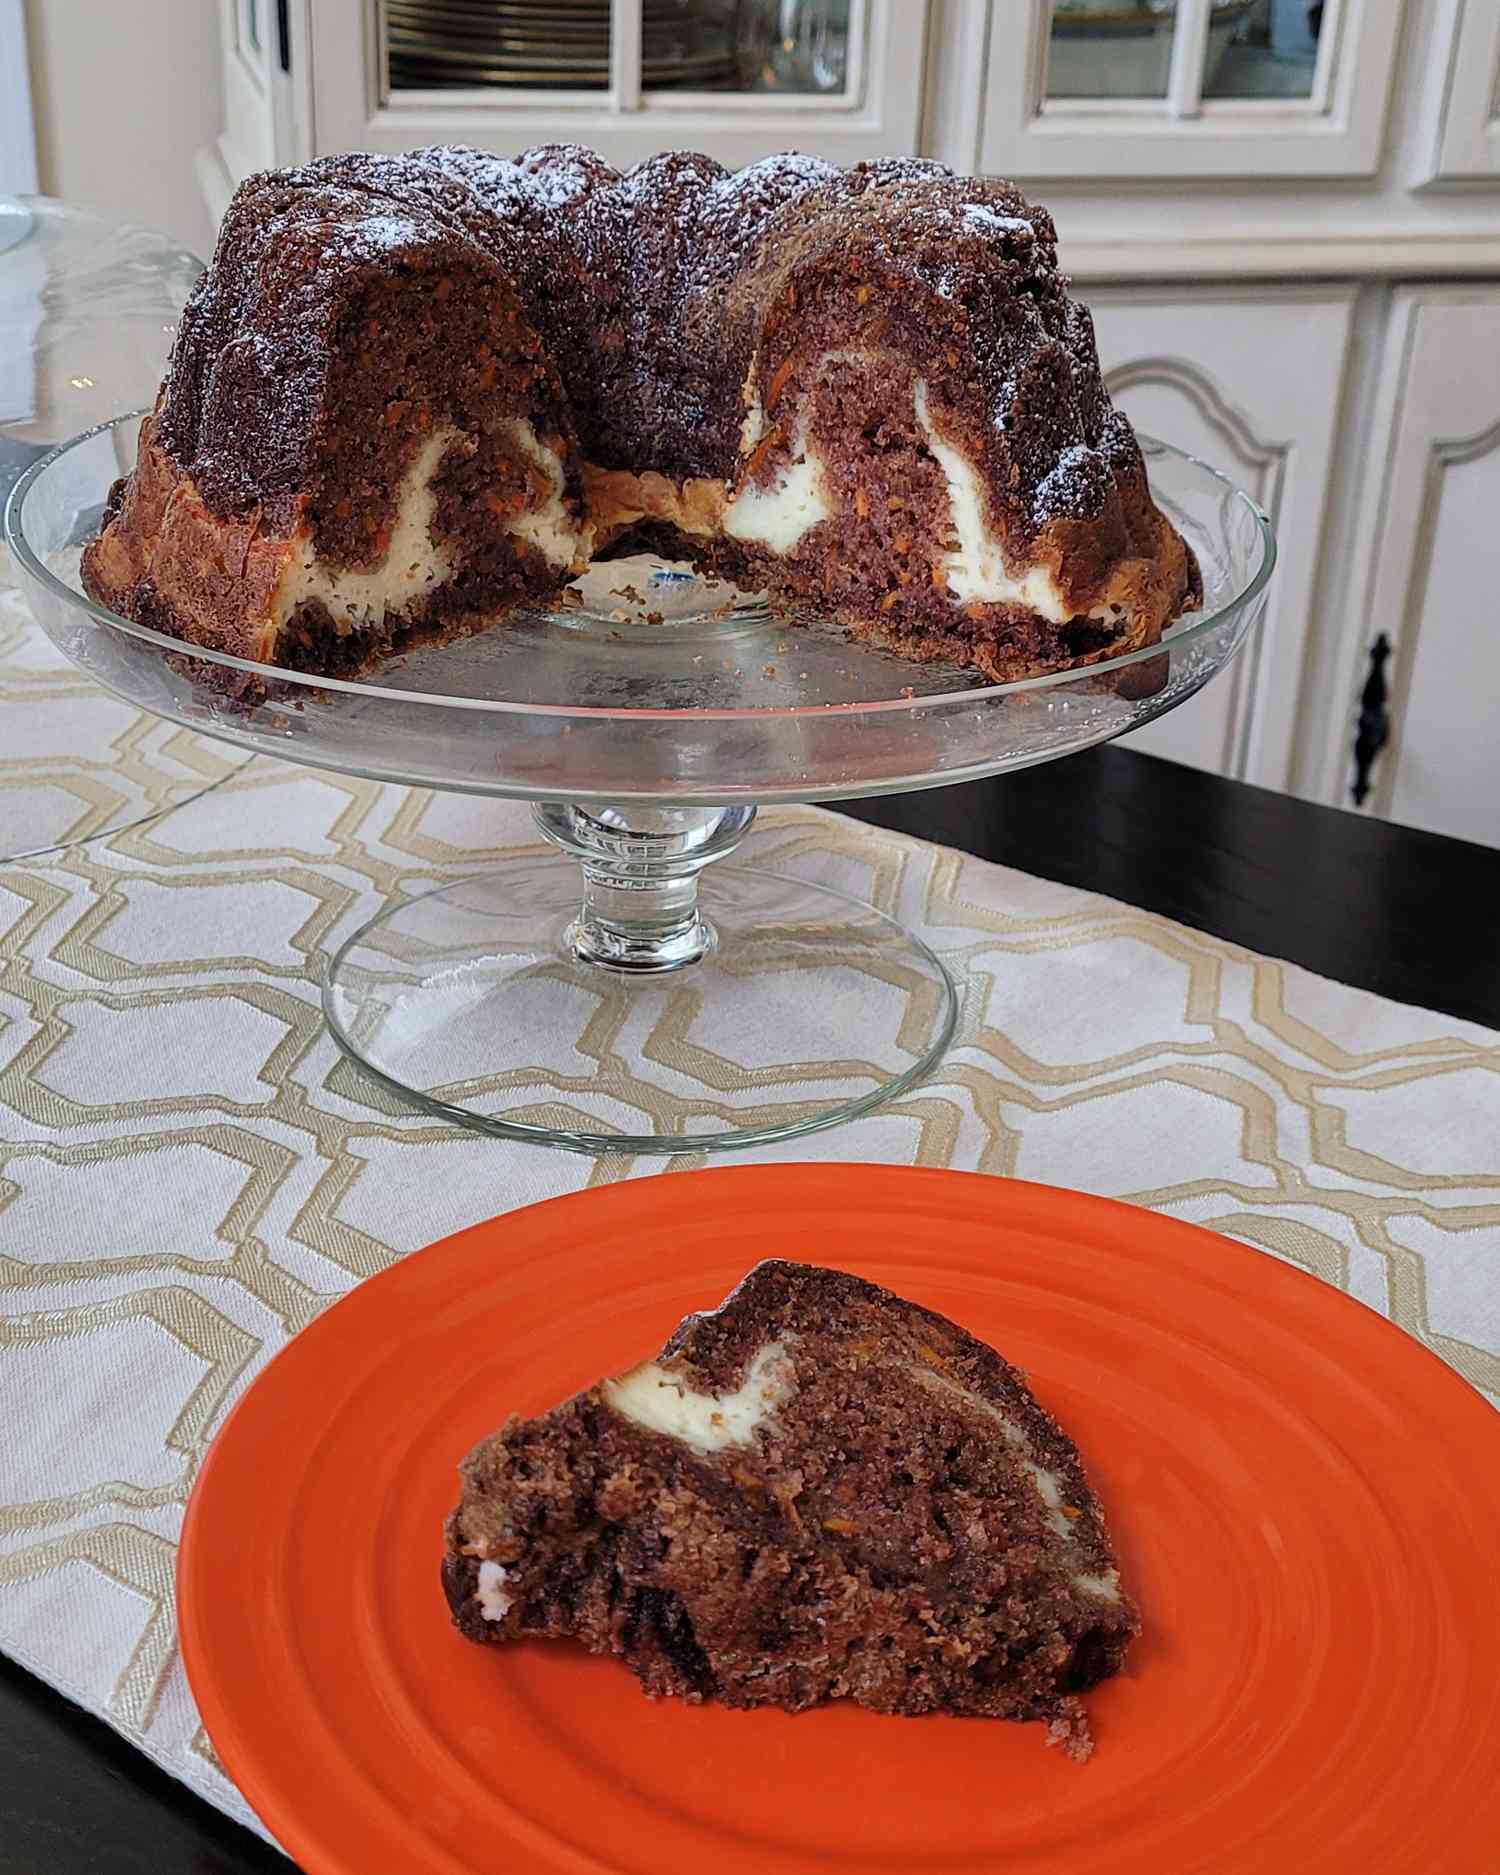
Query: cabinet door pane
{"type": "Point", "coordinates": [1110, 49]}
{"type": "Point", "coordinates": [1463, 106]}
{"type": "Point", "coordinates": [765, 47]}
{"type": "Point", "coordinates": [1140, 89]}
{"type": "Point", "coordinates": [791, 46]}
{"type": "Point", "coordinates": [515, 45]}
{"type": "Point", "coordinates": [1263, 48]}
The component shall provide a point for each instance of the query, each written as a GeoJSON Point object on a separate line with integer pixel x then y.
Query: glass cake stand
{"type": "Point", "coordinates": [627, 990]}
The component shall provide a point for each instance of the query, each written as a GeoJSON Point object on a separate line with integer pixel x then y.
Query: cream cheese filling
{"type": "Point", "coordinates": [414, 564]}
{"type": "Point", "coordinates": [777, 515]}
{"type": "Point", "coordinates": [975, 569]}
{"type": "Point", "coordinates": [662, 1401]}
{"type": "Point", "coordinates": [1048, 1484]}
{"type": "Point", "coordinates": [548, 526]}
{"type": "Point", "coordinates": [774, 516]}
{"type": "Point", "coordinates": [494, 1602]}
{"type": "Point", "coordinates": [753, 427]}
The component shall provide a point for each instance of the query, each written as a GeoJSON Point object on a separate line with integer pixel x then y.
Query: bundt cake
{"type": "Point", "coordinates": [818, 1491]}
{"type": "Point", "coordinates": [414, 392]}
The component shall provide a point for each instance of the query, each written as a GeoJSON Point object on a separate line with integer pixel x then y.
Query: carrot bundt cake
{"type": "Point", "coordinates": [413, 393]}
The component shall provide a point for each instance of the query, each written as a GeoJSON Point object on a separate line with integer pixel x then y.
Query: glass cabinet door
{"type": "Point", "coordinates": [772, 47]}
{"type": "Point", "coordinates": [1122, 50]}
{"type": "Point", "coordinates": [1125, 49]}
{"type": "Point", "coordinates": [738, 78]}
{"type": "Point", "coordinates": [1187, 88]}
{"type": "Point", "coordinates": [1265, 48]}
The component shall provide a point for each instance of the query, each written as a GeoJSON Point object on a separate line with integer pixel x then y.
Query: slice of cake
{"type": "Point", "coordinates": [817, 1491]}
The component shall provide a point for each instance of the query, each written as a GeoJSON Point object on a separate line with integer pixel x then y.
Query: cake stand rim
{"type": "Point", "coordinates": [1198, 625]}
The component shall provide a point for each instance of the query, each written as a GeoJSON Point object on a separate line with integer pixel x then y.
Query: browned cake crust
{"type": "Point", "coordinates": [454, 377]}
{"type": "Point", "coordinates": [872, 1506]}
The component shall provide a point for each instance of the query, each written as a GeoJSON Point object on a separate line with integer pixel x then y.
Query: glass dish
{"type": "Point", "coordinates": [88, 307]}
{"type": "Point", "coordinates": [632, 1009]}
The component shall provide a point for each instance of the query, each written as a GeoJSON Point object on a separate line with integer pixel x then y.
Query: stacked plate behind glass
{"type": "Point", "coordinates": [556, 44]}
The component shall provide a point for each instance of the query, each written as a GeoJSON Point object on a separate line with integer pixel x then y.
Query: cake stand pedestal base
{"type": "Point", "coordinates": [619, 996]}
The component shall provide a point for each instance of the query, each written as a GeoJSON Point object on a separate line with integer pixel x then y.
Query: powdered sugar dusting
{"type": "Point", "coordinates": [1071, 488]}
{"type": "Point", "coordinates": [950, 216]}
{"type": "Point", "coordinates": [980, 218]}
{"type": "Point", "coordinates": [387, 233]}
{"type": "Point", "coordinates": [735, 210]}
{"type": "Point", "coordinates": [786, 173]}
{"type": "Point", "coordinates": [559, 174]}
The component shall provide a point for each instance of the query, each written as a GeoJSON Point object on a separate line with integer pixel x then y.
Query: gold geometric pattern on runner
{"type": "Point", "coordinates": [137, 1559]}
{"type": "Point", "coordinates": [105, 764]}
{"type": "Point", "coordinates": [321, 1177]}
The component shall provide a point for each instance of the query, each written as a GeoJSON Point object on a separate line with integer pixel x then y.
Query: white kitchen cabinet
{"type": "Point", "coordinates": [266, 80]}
{"type": "Point", "coordinates": [1200, 140]}
{"type": "Point", "coordinates": [1249, 379]}
{"type": "Point", "coordinates": [1426, 569]}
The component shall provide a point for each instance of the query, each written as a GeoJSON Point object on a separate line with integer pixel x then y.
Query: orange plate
{"type": "Point", "coordinates": [1306, 1504]}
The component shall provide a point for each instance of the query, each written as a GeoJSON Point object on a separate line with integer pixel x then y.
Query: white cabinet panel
{"type": "Point", "coordinates": [1445, 768]}
{"type": "Point", "coordinates": [1430, 559]}
{"type": "Point", "coordinates": [248, 56]}
{"type": "Point", "coordinates": [1251, 381]}
{"type": "Point", "coordinates": [1461, 118]}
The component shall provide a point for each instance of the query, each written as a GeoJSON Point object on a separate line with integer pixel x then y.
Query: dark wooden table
{"type": "Point", "coordinates": [1385, 908]}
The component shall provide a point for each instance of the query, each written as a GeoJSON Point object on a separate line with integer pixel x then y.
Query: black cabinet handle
{"type": "Point", "coordinates": [284, 34]}
{"type": "Point", "coordinates": [1374, 730]}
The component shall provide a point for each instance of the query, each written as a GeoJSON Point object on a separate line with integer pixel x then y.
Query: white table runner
{"type": "Point", "coordinates": [189, 1171]}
